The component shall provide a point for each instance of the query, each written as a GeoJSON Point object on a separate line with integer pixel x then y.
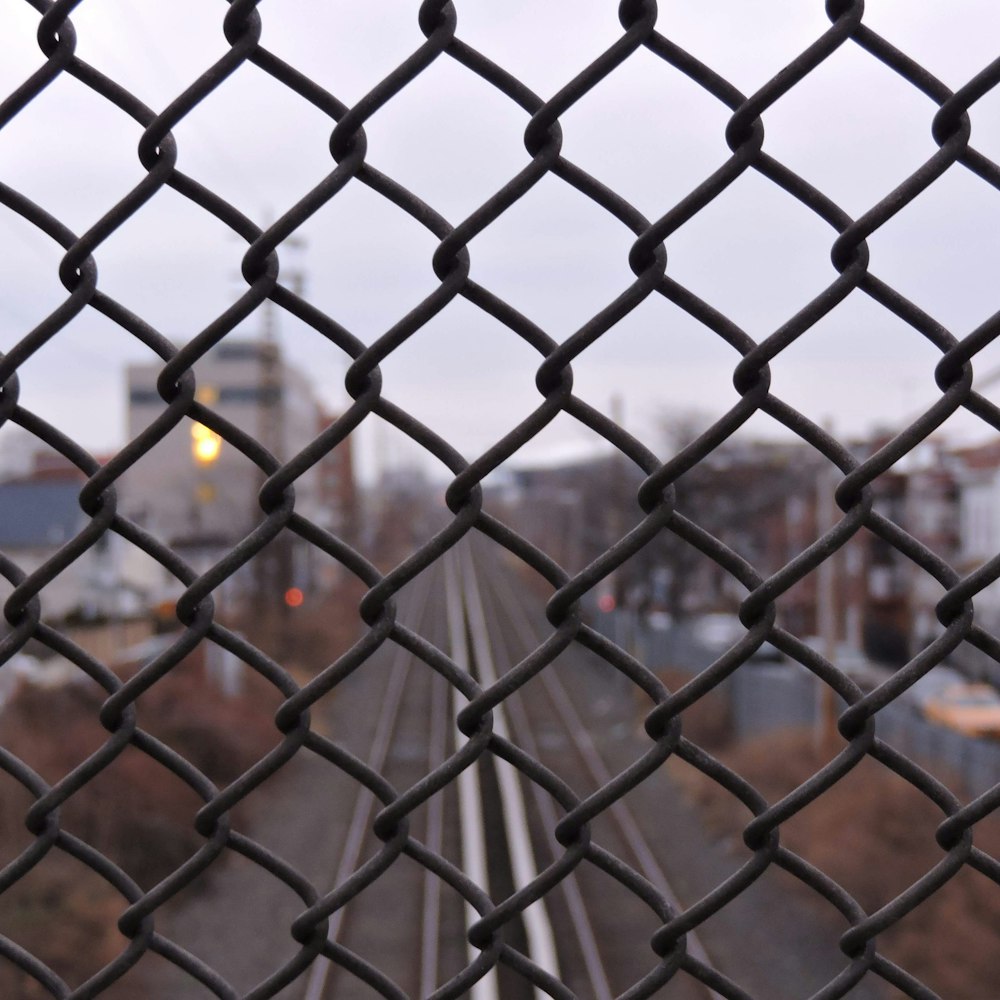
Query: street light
{"type": "Point", "coordinates": [205, 444]}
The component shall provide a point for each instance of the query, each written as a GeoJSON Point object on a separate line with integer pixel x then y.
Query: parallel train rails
{"type": "Point", "coordinates": [491, 822]}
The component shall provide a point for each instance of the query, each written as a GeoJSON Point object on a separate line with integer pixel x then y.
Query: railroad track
{"type": "Point", "coordinates": [401, 922]}
{"type": "Point", "coordinates": [490, 822]}
{"type": "Point", "coordinates": [608, 944]}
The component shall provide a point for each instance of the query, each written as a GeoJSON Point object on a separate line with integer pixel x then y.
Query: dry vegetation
{"type": "Point", "coordinates": [307, 639]}
{"type": "Point", "coordinates": [707, 722]}
{"type": "Point", "coordinates": [874, 834]}
{"type": "Point", "coordinates": [135, 812]}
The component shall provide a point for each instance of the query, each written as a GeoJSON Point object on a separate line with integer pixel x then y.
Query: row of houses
{"type": "Point", "coordinates": [768, 501]}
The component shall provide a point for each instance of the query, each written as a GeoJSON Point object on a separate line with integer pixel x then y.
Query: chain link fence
{"type": "Point", "coordinates": [655, 503]}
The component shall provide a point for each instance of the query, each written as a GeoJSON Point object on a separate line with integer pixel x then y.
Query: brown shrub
{"type": "Point", "coordinates": [135, 811]}
{"type": "Point", "coordinates": [66, 916]}
{"type": "Point", "coordinates": [708, 721]}
{"type": "Point", "coordinates": [308, 638]}
{"type": "Point", "coordinates": [874, 834]}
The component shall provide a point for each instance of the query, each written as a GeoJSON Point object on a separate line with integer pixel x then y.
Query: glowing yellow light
{"type": "Point", "coordinates": [205, 444]}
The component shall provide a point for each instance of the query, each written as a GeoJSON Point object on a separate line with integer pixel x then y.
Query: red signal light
{"type": "Point", "coordinates": [294, 597]}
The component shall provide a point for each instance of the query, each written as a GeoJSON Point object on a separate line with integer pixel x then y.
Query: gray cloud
{"type": "Point", "coordinates": [852, 128]}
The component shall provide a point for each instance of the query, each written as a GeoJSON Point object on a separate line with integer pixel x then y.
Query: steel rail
{"type": "Point", "coordinates": [592, 760]}
{"type": "Point", "coordinates": [319, 971]}
{"type": "Point", "coordinates": [473, 835]}
{"type": "Point", "coordinates": [437, 750]}
{"type": "Point", "coordinates": [576, 906]}
{"type": "Point", "coordinates": [538, 925]}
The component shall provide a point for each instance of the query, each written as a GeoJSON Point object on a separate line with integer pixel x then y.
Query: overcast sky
{"type": "Point", "coordinates": [852, 128]}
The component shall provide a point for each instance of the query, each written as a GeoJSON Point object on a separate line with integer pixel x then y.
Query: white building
{"type": "Point", "coordinates": [978, 481]}
{"type": "Point", "coordinates": [979, 513]}
{"type": "Point", "coordinates": [197, 492]}
{"type": "Point", "coordinates": [37, 518]}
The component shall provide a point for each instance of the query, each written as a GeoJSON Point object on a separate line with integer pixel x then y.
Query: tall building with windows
{"type": "Point", "coordinates": [196, 491]}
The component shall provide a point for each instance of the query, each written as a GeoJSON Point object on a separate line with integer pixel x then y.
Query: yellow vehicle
{"type": "Point", "coordinates": [971, 709]}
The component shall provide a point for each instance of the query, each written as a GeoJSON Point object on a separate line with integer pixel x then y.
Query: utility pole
{"type": "Point", "coordinates": [616, 581]}
{"type": "Point", "coordinates": [274, 564]}
{"type": "Point", "coordinates": [827, 479]}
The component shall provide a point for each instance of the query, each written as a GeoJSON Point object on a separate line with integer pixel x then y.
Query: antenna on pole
{"type": "Point", "coordinates": [275, 563]}
{"type": "Point", "coordinates": [296, 279]}
{"type": "Point", "coordinates": [272, 431]}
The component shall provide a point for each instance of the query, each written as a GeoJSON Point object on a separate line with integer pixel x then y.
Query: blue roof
{"type": "Point", "coordinates": [39, 514]}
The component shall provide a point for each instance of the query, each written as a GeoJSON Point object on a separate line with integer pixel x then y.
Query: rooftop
{"type": "Point", "coordinates": [38, 514]}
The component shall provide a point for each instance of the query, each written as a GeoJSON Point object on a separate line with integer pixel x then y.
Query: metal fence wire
{"type": "Point", "coordinates": [670, 956]}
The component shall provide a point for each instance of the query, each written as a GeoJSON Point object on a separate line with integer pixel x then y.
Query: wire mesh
{"type": "Point", "coordinates": [655, 502]}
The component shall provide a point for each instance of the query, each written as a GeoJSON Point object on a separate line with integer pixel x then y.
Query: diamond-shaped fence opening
{"type": "Point", "coordinates": [351, 648]}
